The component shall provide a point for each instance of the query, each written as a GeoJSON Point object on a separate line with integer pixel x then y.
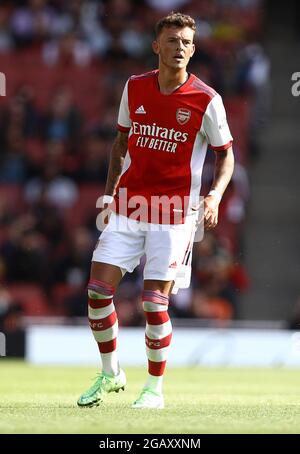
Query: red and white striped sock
{"type": "Point", "coordinates": [158, 336]}
{"type": "Point", "coordinates": [104, 323]}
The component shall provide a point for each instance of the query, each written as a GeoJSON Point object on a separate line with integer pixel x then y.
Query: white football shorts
{"type": "Point", "coordinates": [168, 248]}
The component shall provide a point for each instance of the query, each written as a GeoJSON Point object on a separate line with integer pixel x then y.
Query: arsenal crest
{"type": "Point", "coordinates": [183, 116]}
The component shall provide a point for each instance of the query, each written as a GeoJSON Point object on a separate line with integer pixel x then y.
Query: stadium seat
{"type": "Point", "coordinates": [238, 113]}
{"type": "Point", "coordinates": [85, 206]}
{"type": "Point", "coordinates": [32, 298]}
{"type": "Point", "coordinates": [11, 196]}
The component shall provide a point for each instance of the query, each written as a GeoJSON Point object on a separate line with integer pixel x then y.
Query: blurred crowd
{"type": "Point", "coordinates": [66, 63]}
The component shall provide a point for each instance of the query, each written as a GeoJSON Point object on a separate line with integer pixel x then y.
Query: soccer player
{"type": "Point", "coordinates": [167, 119]}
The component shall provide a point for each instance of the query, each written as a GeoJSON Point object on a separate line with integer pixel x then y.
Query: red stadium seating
{"type": "Point", "coordinates": [21, 69]}
{"type": "Point", "coordinates": [85, 205]}
{"type": "Point", "coordinates": [31, 297]}
{"type": "Point", "coordinates": [238, 113]}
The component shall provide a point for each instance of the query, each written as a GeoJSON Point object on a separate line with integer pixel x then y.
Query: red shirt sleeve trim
{"type": "Point", "coordinates": [122, 128]}
{"type": "Point", "coordinates": [222, 147]}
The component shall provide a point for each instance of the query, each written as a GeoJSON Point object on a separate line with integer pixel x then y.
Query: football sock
{"type": "Point", "coordinates": [104, 323]}
{"type": "Point", "coordinates": [154, 383]}
{"type": "Point", "coordinates": [157, 337]}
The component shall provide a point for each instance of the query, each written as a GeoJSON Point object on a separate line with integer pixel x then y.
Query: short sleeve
{"type": "Point", "coordinates": [215, 126]}
{"type": "Point", "coordinates": [124, 122]}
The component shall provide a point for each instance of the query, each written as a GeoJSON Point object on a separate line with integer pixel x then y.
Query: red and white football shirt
{"type": "Point", "coordinates": [168, 138]}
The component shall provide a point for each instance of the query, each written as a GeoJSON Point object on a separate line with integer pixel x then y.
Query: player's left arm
{"type": "Point", "coordinates": [224, 166]}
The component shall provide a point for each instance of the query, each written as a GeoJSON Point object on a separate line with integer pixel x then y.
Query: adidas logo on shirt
{"type": "Point", "coordinates": [140, 110]}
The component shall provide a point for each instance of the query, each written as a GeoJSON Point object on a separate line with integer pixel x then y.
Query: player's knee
{"type": "Point", "coordinates": [98, 289]}
{"type": "Point", "coordinates": [155, 303]}
{"type": "Point", "coordinates": [155, 297]}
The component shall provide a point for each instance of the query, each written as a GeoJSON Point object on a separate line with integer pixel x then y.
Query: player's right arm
{"type": "Point", "coordinates": [120, 145]}
{"type": "Point", "coordinates": [117, 156]}
{"type": "Point", "coordinates": [116, 162]}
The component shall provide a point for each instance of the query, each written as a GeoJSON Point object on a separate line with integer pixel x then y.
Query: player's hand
{"type": "Point", "coordinates": [211, 211]}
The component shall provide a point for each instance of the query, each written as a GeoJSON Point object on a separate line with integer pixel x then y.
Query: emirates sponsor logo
{"type": "Point", "coordinates": [183, 116]}
{"type": "Point", "coordinates": [154, 137]}
{"type": "Point", "coordinates": [159, 132]}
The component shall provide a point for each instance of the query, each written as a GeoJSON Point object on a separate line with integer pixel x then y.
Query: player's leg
{"type": "Point", "coordinates": [104, 325]}
{"type": "Point", "coordinates": [165, 251]}
{"type": "Point", "coordinates": [158, 338]}
{"type": "Point", "coordinates": [118, 250]}
{"type": "Point", "coordinates": [102, 314]}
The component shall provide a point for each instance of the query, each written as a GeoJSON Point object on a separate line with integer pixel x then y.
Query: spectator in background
{"type": "Point", "coordinates": [94, 158]}
{"type": "Point", "coordinates": [49, 222]}
{"type": "Point", "coordinates": [13, 162]}
{"type": "Point", "coordinates": [29, 243]}
{"type": "Point", "coordinates": [73, 265]}
{"type": "Point", "coordinates": [11, 324]}
{"type": "Point", "coordinates": [96, 35]}
{"type": "Point", "coordinates": [214, 295]}
{"type": "Point", "coordinates": [253, 77]}
{"type": "Point", "coordinates": [129, 306]}
{"type": "Point", "coordinates": [74, 303]}
{"type": "Point", "coordinates": [60, 154]}
{"type": "Point", "coordinates": [25, 253]}
{"type": "Point", "coordinates": [58, 190]}
{"type": "Point", "coordinates": [5, 301]}
{"type": "Point", "coordinates": [218, 280]}
{"type": "Point", "coordinates": [67, 50]}
{"type": "Point", "coordinates": [6, 41]}
{"type": "Point", "coordinates": [63, 120]}
{"type": "Point", "coordinates": [32, 22]}
{"type": "Point", "coordinates": [21, 114]}
{"type": "Point", "coordinates": [134, 40]}
{"type": "Point", "coordinates": [71, 268]}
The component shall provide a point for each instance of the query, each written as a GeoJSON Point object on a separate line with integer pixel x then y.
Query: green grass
{"type": "Point", "coordinates": [198, 400]}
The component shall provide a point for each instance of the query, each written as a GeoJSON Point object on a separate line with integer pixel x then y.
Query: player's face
{"type": "Point", "coordinates": [175, 47]}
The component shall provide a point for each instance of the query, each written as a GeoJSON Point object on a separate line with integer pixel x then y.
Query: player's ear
{"type": "Point", "coordinates": [193, 50]}
{"type": "Point", "coordinates": [155, 47]}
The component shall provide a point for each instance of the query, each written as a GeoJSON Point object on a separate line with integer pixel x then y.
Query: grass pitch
{"type": "Point", "coordinates": [198, 400]}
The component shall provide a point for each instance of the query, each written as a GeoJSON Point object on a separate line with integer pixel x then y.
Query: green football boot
{"type": "Point", "coordinates": [149, 399]}
{"type": "Point", "coordinates": [103, 385]}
